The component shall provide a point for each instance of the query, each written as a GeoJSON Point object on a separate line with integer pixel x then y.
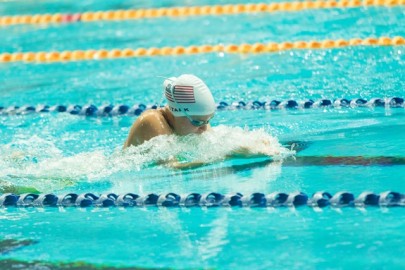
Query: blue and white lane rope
{"type": "Point", "coordinates": [213, 199]}
{"type": "Point", "coordinates": [114, 110]}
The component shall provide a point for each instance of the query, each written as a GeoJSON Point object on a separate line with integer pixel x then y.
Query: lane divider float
{"type": "Point", "coordinates": [212, 199]}
{"type": "Point", "coordinates": [137, 109]}
{"type": "Point", "coordinates": [245, 48]}
{"type": "Point", "coordinates": [214, 10]}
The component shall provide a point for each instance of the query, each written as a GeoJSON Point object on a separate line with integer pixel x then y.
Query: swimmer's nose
{"type": "Point", "coordinates": [202, 128]}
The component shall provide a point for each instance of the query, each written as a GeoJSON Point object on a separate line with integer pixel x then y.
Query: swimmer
{"type": "Point", "coordinates": [190, 109]}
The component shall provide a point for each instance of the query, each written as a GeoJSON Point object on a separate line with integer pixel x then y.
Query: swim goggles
{"type": "Point", "coordinates": [198, 123]}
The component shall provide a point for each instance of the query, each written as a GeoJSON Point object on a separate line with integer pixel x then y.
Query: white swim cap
{"type": "Point", "coordinates": [188, 94]}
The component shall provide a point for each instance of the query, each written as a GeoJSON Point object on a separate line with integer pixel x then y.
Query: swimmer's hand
{"type": "Point", "coordinates": [175, 164]}
{"type": "Point", "coordinates": [253, 152]}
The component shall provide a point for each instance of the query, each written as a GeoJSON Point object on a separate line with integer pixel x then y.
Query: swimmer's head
{"type": "Point", "coordinates": [188, 95]}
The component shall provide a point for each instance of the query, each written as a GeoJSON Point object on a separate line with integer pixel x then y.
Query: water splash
{"type": "Point", "coordinates": [38, 162]}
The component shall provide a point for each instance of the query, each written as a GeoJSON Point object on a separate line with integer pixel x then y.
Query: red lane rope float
{"type": "Point", "coordinates": [79, 55]}
{"type": "Point", "coordinates": [136, 14]}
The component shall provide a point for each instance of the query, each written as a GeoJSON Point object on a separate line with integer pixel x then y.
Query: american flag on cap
{"type": "Point", "coordinates": [183, 94]}
{"type": "Point", "coordinates": [168, 93]}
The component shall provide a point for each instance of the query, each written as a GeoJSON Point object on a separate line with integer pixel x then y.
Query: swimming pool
{"type": "Point", "coordinates": [61, 152]}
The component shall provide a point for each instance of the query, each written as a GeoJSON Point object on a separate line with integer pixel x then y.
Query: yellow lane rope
{"type": "Point", "coordinates": [134, 14]}
{"type": "Point", "coordinates": [256, 48]}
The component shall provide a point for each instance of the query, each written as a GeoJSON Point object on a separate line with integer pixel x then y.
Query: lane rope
{"type": "Point", "coordinates": [257, 48]}
{"type": "Point", "coordinates": [137, 109]}
{"type": "Point", "coordinates": [212, 199]}
{"type": "Point", "coordinates": [215, 10]}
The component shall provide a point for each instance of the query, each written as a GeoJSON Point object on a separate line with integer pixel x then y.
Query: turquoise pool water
{"type": "Point", "coordinates": [61, 152]}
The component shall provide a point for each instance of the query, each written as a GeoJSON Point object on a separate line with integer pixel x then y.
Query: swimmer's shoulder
{"type": "Point", "coordinates": [153, 119]}
{"type": "Point", "coordinates": [149, 124]}
{"type": "Point", "coordinates": [151, 115]}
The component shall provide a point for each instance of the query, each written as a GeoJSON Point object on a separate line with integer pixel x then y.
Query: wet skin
{"type": "Point", "coordinates": [153, 123]}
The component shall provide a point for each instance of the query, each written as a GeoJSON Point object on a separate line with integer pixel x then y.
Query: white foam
{"type": "Point", "coordinates": [38, 161]}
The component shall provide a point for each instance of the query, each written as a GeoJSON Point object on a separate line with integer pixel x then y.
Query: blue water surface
{"type": "Point", "coordinates": [62, 153]}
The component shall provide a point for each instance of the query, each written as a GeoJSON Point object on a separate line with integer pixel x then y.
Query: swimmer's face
{"type": "Point", "coordinates": [192, 124]}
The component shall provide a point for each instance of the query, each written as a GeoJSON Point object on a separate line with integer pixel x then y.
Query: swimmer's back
{"type": "Point", "coordinates": [149, 124]}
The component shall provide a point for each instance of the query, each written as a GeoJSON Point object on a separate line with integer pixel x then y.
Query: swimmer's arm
{"type": "Point", "coordinates": [247, 152]}
{"type": "Point", "coordinates": [185, 165]}
{"type": "Point", "coordinates": [241, 152]}
{"type": "Point", "coordinates": [238, 153]}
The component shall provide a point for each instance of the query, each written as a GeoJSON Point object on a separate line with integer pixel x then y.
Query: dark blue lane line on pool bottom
{"type": "Point", "coordinates": [213, 199]}
{"type": "Point", "coordinates": [114, 110]}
